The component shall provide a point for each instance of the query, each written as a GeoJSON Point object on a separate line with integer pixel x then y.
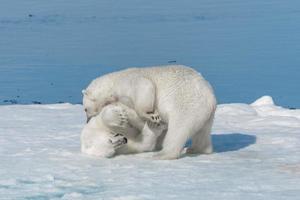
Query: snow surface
{"type": "Point", "coordinates": [257, 156]}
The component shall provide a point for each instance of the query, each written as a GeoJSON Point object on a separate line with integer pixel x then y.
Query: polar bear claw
{"type": "Point", "coordinates": [117, 140]}
{"type": "Point", "coordinates": [153, 117]}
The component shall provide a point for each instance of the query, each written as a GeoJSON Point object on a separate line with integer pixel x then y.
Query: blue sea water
{"type": "Point", "coordinates": [51, 50]}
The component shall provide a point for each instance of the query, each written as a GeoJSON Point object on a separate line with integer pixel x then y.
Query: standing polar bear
{"type": "Point", "coordinates": [175, 94]}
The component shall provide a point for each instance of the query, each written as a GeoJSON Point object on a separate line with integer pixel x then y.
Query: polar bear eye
{"type": "Point", "coordinates": [85, 110]}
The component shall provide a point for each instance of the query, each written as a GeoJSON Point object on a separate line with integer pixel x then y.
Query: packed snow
{"type": "Point", "coordinates": [257, 156]}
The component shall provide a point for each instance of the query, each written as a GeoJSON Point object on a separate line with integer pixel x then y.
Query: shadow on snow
{"type": "Point", "coordinates": [230, 142]}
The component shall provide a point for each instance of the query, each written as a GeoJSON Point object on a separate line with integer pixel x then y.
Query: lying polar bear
{"type": "Point", "coordinates": [118, 129]}
{"type": "Point", "coordinates": [175, 94]}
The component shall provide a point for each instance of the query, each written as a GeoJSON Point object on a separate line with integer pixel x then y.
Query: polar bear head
{"type": "Point", "coordinates": [97, 95]}
{"type": "Point", "coordinates": [95, 142]}
{"type": "Point", "coordinates": [93, 104]}
{"type": "Point", "coordinates": [90, 104]}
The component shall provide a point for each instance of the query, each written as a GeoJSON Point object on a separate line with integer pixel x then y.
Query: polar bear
{"type": "Point", "coordinates": [175, 94]}
{"type": "Point", "coordinates": [116, 130]}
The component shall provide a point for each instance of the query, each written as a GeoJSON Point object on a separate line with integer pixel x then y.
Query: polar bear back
{"type": "Point", "coordinates": [179, 89]}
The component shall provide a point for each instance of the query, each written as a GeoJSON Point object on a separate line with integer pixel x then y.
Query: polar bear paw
{"type": "Point", "coordinates": [122, 118]}
{"type": "Point", "coordinates": [153, 118]}
{"type": "Point", "coordinates": [117, 140]}
{"type": "Point", "coordinates": [115, 116]}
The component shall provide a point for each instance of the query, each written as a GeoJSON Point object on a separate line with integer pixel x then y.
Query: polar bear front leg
{"type": "Point", "coordinates": [120, 118]}
{"type": "Point", "coordinates": [144, 99]}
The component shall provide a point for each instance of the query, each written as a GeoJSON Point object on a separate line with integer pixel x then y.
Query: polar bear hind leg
{"type": "Point", "coordinates": [201, 141]}
{"type": "Point", "coordinates": [179, 131]}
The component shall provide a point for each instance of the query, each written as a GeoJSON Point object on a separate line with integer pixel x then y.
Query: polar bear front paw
{"type": "Point", "coordinates": [153, 118]}
{"type": "Point", "coordinates": [118, 140]}
{"type": "Point", "coordinates": [115, 116]}
{"type": "Point", "coordinates": [122, 118]}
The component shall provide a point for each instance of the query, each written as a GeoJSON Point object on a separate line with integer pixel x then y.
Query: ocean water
{"type": "Point", "coordinates": [51, 50]}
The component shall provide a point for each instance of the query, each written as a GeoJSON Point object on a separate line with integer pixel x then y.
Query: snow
{"type": "Point", "coordinates": [257, 156]}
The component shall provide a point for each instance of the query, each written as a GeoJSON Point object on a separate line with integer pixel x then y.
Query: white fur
{"type": "Point", "coordinates": [102, 137]}
{"type": "Point", "coordinates": [181, 96]}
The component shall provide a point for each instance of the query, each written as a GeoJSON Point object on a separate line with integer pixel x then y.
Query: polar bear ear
{"type": "Point", "coordinates": [84, 92]}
